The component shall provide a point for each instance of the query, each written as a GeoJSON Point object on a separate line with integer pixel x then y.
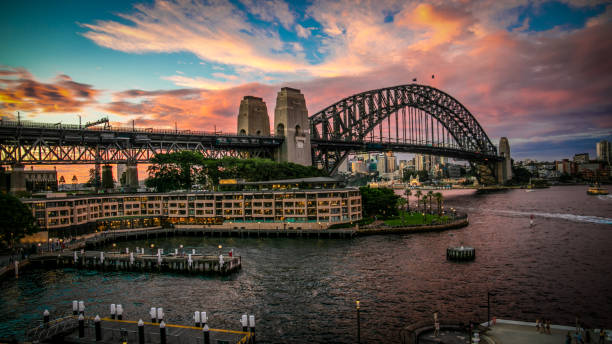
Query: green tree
{"type": "Point", "coordinates": [380, 202]}
{"type": "Point", "coordinates": [108, 181]}
{"type": "Point", "coordinates": [418, 196]}
{"type": "Point", "coordinates": [92, 178]}
{"type": "Point", "coordinates": [520, 175]}
{"type": "Point", "coordinates": [408, 193]}
{"type": "Point", "coordinates": [16, 220]}
{"type": "Point", "coordinates": [439, 198]}
{"type": "Point", "coordinates": [430, 196]}
{"type": "Point", "coordinates": [423, 176]}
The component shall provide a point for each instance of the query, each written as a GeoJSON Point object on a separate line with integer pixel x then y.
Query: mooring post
{"type": "Point", "coordinates": [141, 335]}
{"type": "Point", "coordinates": [81, 326]}
{"type": "Point", "coordinates": [82, 307]}
{"type": "Point", "coordinates": [75, 307]}
{"type": "Point", "coordinates": [98, 328]}
{"type": "Point", "coordinates": [113, 310]}
{"type": "Point", "coordinates": [160, 314]}
{"type": "Point", "coordinates": [196, 318]}
{"type": "Point", "coordinates": [245, 323]}
{"type": "Point", "coordinates": [206, 332]}
{"type": "Point", "coordinates": [203, 318]}
{"type": "Point", "coordinates": [119, 312]}
{"type": "Point", "coordinates": [153, 313]}
{"type": "Point", "coordinates": [162, 332]}
{"type": "Point", "coordinates": [252, 327]}
{"type": "Point", "coordinates": [46, 318]}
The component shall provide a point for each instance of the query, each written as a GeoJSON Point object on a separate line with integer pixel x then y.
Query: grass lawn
{"type": "Point", "coordinates": [411, 219]}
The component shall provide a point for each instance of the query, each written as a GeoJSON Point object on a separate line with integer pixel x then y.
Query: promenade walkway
{"type": "Point", "coordinates": [510, 332]}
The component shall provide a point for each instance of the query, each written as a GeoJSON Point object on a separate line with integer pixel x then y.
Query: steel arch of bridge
{"type": "Point", "coordinates": [344, 126]}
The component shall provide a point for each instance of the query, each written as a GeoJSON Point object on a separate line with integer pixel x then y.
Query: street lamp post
{"type": "Point", "coordinates": [358, 324]}
{"type": "Point", "coordinates": [220, 247]}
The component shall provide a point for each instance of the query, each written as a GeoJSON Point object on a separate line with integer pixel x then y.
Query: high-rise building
{"type": "Point", "coordinates": [603, 151]}
{"type": "Point", "coordinates": [582, 158]}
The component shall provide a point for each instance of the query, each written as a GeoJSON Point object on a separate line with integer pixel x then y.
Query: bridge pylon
{"type": "Point", "coordinates": [504, 167]}
{"type": "Point", "coordinates": [291, 121]}
{"type": "Point", "coordinates": [253, 117]}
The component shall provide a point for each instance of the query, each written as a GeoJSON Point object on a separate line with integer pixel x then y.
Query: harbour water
{"type": "Point", "coordinates": [304, 290]}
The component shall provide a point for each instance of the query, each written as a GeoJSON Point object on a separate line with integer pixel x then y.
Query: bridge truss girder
{"type": "Point", "coordinates": [52, 146]}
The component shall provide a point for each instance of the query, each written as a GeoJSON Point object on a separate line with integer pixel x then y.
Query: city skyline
{"type": "Point", "coordinates": [535, 73]}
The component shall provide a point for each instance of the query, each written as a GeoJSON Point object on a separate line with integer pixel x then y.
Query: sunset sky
{"type": "Point", "coordinates": [539, 73]}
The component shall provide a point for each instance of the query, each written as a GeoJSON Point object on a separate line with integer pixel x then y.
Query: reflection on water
{"type": "Point", "coordinates": [304, 290]}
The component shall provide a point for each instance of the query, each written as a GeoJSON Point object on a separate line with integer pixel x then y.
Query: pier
{"type": "Point", "coordinates": [105, 238]}
{"type": "Point", "coordinates": [80, 329]}
{"type": "Point", "coordinates": [110, 261]}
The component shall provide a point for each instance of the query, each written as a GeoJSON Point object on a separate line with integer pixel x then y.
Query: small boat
{"type": "Point", "coordinates": [597, 190]}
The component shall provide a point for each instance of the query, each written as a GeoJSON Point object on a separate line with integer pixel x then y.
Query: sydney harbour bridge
{"type": "Point", "coordinates": [407, 118]}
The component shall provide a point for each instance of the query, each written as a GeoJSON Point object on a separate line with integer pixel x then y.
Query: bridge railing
{"type": "Point", "coordinates": [61, 126]}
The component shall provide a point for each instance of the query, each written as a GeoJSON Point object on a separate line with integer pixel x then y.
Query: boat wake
{"type": "Point", "coordinates": [605, 197]}
{"type": "Point", "coordinates": [570, 217]}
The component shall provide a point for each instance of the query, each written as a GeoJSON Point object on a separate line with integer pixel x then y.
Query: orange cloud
{"type": "Point", "coordinates": [435, 25]}
{"type": "Point", "coordinates": [20, 92]}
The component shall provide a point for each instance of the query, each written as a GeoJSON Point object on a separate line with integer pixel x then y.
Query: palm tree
{"type": "Point", "coordinates": [439, 198]}
{"type": "Point", "coordinates": [430, 196]}
{"type": "Point", "coordinates": [418, 196]}
{"type": "Point", "coordinates": [408, 193]}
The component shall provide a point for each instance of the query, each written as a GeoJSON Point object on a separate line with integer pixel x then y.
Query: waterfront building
{"type": "Point", "coordinates": [319, 200]}
{"type": "Point", "coordinates": [582, 158]}
{"type": "Point", "coordinates": [603, 151]}
{"type": "Point", "coordinates": [566, 166]}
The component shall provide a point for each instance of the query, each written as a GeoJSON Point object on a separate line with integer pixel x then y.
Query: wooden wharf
{"type": "Point", "coordinates": [109, 261]}
{"type": "Point", "coordinates": [65, 330]}
{"type": "Point", "coordinates": [104, 238]}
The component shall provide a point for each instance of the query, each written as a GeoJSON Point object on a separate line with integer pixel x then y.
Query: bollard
{"type": "Point", "coordinates": [203, 318]}
{"type": "Point", "coordinates": [206, 331]}
{"type": "Point", "coordinates": [119, 312]}
{"type": "Point", "coordinates": [113, 310]}
{"type": "Point", "coordinates": [162, 332]}
{"type": "Point", "coordinates": [153, 313]}
{"type": "Point", "coordinates": [160, 314]}
{"type": "Point", "coordinates": [244, 322]}
{"type": "Point", "coordinates": [141, 332]}
{"type": "Point", "coordinates": [81, 326]}
{"type": "Point", "coordinates": [98, 328]}
{"type": "Point", "coordinates": [101, 257]}
{"type": "Point", "coordinates": [81, 307]}
{"type": "Point", "coordinates": [252, 327]}
{"type": "Point", "coordinates": [46, 318]}
{"type": "Point", "coordinates": [76, 259]}
{"type": "Point", "coordinates": [252, 323]}
{"type": "Point", "coordinates": [75, 307]}
{"type": "Point", "coordinates": [196, 318]}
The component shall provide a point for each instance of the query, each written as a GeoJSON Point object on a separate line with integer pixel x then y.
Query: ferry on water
{"type": "Point", "coordinates": [597, 190]}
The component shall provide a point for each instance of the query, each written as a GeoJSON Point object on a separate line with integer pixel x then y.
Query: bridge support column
{"type": "Point", "coordinates": [18, 182]}
{"type": "Point", "coordinates": [131, 176]}
{"type": "Point", "coordinates": [291, 121]}
{"type": "Point", "coordinates": [253, 117]}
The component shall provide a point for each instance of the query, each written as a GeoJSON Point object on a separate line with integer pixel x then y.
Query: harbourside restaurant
{"type": "Point", "coordinates": [319, 200]}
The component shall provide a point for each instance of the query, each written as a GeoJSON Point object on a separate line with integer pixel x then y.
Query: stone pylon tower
{"type": "Point", "coordinates": [253, 117]}
{"type": "Point", "coordinates": [504, 167]}
{"type": "Point", "coordinates": [291, 121]}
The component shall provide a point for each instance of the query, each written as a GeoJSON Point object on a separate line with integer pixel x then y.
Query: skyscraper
{"type": "Point", "coordinates": [603, 151]}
